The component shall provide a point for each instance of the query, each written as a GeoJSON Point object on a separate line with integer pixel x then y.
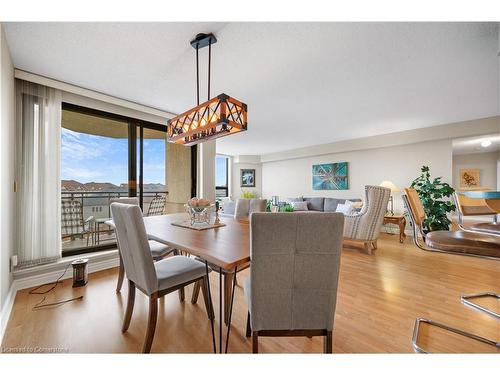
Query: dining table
{"type": "Point", "coordinates": [226, 247]}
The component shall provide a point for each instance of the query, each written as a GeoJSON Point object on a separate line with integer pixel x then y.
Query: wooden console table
{"type": "Point", "coordinates": [400, 221]}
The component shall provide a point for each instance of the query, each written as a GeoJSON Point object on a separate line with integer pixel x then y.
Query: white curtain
{"type": "Point", "coordinates": [39, 204]}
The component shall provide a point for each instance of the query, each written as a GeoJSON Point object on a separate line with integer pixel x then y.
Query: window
{"type": "Point", "coordinates": [221, 176]}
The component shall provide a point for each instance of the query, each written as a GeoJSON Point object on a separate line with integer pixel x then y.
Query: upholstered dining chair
{"type": "Point", "coordinates": [292, 289]}
{"type": "Point", "coordinates": [154, 279]}
{"type": "Point", "coordinates": [244, 208]}
{"type": "Point", "coordinates": [456, 243]}
{"type": "Point", "coordinates": [364, 226]}
{"type": "Point", "coordinates": [158, 250]}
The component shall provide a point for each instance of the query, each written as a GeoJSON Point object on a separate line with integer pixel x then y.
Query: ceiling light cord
{"type": "Point", "coordinates": [197, 78]}
{"type": "Point", "coordinates": [209, 64]}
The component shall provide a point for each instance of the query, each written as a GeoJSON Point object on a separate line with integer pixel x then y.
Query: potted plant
{"type": "Point", "coordinates": [435, 196]}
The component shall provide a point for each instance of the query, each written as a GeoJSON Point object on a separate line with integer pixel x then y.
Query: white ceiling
{"type": "Point", "coordinates": [472, 145]}
{"type": "Point", "coordinates": [304, 83]}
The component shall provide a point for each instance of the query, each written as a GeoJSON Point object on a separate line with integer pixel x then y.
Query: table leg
{"type": "Point", "coordinates": [402, 227]}
{"type": "Point", "coordinates": [211, 306]}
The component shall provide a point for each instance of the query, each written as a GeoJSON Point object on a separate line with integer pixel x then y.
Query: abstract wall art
{"type": "Point", "coordinates": [332, 176]}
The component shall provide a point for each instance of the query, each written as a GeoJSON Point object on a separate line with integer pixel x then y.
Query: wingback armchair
{"type": "Point", "coordinates": [365, 226]}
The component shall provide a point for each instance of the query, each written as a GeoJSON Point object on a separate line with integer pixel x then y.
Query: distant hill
{"type": "Point", "coordinates": [72, 185]}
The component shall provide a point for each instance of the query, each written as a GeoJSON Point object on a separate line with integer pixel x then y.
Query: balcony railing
{"type": "Point", "coordinates": [85, 229]}
{"type": "Point", "coordinates": [221, 192]}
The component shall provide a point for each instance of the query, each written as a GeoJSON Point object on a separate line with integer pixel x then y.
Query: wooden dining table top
{"type": "Point", "coordinates": [226, 247]}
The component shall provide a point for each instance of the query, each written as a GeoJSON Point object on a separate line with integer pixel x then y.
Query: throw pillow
{"type": "Point", "coordinates": [299, 206]}
{"type": "Point", "coordinates": [346, 208]}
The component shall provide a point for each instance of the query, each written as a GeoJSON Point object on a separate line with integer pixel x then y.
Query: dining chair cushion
{"type": "Point", "coordinates": [491, 228]}
{"type": "Point", "coordinates": [248, 293]}
{"type": "Point", "coordinates": [257, 205]}
{"type": "Point", "coordinates": [177, 270]}
{"type": "Point", "coordinates": [465, 242]}
{"type": "Point", "coordinates": [159, 250]}
{"type": "Point", "coordinates": [242, 209]}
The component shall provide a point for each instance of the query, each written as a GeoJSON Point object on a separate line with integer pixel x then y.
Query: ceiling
{"type": "Point", "coordinates": [304, 83]}
{"type": "Point", "coordinates": [472, 145]}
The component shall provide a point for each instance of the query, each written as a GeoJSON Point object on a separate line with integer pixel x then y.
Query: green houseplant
{"type": "Point", "coordinates": [247, 194]}
{"type": "Point", "coordinates": [435, 196]}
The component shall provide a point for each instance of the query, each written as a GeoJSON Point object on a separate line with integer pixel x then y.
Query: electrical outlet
{"type": "Point", "coordinates": [13, 262]}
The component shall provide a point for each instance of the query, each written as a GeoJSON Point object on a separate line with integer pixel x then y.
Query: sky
{"type": "Point", "coordinates": [220, 170]}
{"type": "Point", "coordinates": [92, 158]}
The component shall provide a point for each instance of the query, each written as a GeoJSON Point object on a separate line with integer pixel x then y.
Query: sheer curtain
{"type": "Point", "coordinates": [39, 138]}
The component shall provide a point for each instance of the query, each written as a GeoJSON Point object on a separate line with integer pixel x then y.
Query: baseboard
{"type": "Point", "coordinates": [7, 310]}
{"type": "Point", "coordinates": [35, 276]}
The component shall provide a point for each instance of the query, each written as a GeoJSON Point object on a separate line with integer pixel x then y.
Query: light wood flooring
{"type": "Point", "coordinates": [379, 298]}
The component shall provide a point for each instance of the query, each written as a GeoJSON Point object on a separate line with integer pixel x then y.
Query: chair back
{"type": "Point", "coordinates": [366, 224]}
{"type": "Point", "coordinates": [467, 206]}
{"type": "Point", "coordinates": [125, 200]}
{"type": "Point", "coordinates": [295, 268]}
{"type": "Point", "coordinates": [134, 246]}
{"type": "Point", "coordinates": [415, 206]}
{"type": "Point", "coordinates": [257, 205]}
{"type": "Point", "coordinates": [242, 209]}
{"type": "Point", "coordinates": [157, 206]}
{"type": "Point", "coordinates": [71, 217]}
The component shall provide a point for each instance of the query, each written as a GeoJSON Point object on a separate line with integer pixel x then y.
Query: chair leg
{"type": "Point", "coordinates": [374, 244]}
{"type": "Point", "coordinates": [196, 292]}
{"type": "Point", "coordinates": [228, 288]}
{"type": "Point", "coordinates": [181, 294]}
{"type": "Point", "coordinates": [204, 291]}
{"type": "Point", "coordinates": [255, 342]}
{"type": "Point", "coordinates": [121, 275]}
{"type": "Point", "coordinates": [150, 331]}
{"type": "Point", "coordinates": [368, 248]}
{"type": "Point", "coordinates": [130, 306]}
{"type": "Point", "coordinates": [249, 329]}
{"type": "Point", "coordinates": [327, 343]}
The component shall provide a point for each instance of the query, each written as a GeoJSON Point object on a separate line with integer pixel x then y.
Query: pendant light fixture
{"type": "Point", "coordinates": [215, 118]}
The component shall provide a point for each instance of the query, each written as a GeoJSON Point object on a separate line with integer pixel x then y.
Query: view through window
{"type": "Point", "coordinates": [221, 176]}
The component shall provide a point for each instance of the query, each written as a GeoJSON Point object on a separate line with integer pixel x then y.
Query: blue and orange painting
{"type": "Point", "coordinates": [332, 176]}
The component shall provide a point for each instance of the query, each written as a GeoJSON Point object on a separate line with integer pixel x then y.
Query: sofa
{"type": "Point", "coordinates": [322, 204]}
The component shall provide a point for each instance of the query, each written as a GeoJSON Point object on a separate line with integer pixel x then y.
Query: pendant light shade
{"type": "Point", "coordinates": [215, 118]}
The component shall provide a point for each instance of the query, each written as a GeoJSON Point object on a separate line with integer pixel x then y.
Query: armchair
{"type": "Point", "coordinates": [364, 227]}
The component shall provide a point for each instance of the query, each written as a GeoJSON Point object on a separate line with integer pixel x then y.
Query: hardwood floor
{"type": "Point", "coordinates": [379, 298]}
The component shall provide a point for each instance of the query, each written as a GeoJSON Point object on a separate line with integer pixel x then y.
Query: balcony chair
{"type": "Point", "coordinates": [243, 209]}
{"type": "Point", "coordinates": [158, 250]}
{"type": "Point", "coordinates": [475, 207]}
{"type": "Point", "coordinates": [364, 227]}
{"type": "Point", "coordinates": [450, 242]}
{"type": "Point", "coordinates": [292, 289]}
{"type": "Point", "coordinates": [154, 279]}
{"type": "Point", "coordinates": [157, 206]}
{"type": "Point", "coordinates": [72, 222]}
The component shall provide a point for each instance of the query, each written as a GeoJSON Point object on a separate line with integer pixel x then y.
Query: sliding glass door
{"type": "Point", "coordinates": [106, 156]}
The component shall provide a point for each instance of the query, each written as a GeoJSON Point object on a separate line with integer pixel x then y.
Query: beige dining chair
{"type": "Point", "coordinates": [154, 279]}
{"type": "Point", "coordinates": [245, 207]}
{"type": "Point", "coordinates": [158, 250]}
{"type": "Point", "coordinates": [292, 289]}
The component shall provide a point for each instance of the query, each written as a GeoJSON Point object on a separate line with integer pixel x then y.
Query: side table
{"type": "Point", "coordinates": [400, 221]}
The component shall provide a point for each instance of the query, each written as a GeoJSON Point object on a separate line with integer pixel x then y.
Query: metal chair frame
{"type": "Point", "coordinates": [416, 329]}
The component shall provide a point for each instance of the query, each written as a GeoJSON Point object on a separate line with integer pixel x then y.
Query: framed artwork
{"type": "Point", "coordinates": [331, 176]}
{"type": "Point", "coordinates": [470, 178]}
{"type": "Point", "coordinates": [247, 178]}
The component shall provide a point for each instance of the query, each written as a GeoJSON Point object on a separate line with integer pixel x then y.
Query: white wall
{"type": "Point", "coordinates": [399, 164]}
{"type": "Point", "coordinates": [486, 162]}
{"type": "Point", "coordinates": [242, 162]}
{"type": "Point", "coordinates": [7, 153]}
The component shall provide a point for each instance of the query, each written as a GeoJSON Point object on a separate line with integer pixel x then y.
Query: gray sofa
{"type": "Point", "coordinates": [321, 203]}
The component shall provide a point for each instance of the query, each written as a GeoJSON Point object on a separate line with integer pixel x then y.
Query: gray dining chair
{"type": "Point", "coordinates": [245, 207]}
{"type": "Point", "coordinates": [292, 289]}
{"type": "Point", "coordinates": [158, 250]}
{"type": "Point", "coordinates": [154, 279]}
